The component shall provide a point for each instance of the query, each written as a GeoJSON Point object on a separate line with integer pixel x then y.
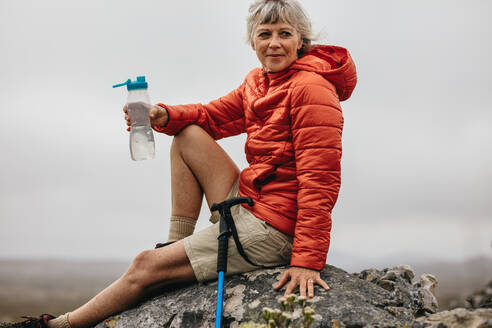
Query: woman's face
{"type": "Point", "coordinates": [276, 45]}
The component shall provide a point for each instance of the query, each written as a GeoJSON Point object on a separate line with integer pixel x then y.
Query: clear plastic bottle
{"type": "Point", "coordinates": [142, 144]}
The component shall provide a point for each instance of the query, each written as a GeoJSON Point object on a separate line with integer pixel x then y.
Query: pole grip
{"type": "Point", "coordinates": [222, 253]}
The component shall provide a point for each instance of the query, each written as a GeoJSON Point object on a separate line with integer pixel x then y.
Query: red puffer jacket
{"type": "Point", "coordinates": [294, 124]}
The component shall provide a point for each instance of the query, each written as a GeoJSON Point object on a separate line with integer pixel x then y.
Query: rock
{"type": "Point", "coordinates": [399, 281]}
{"type": "Point", "coordinates": [459, 318]}
{"type": "Point", "coordinates": [479, 299]}
{"type": "Point", "coordinates": [369, 299]}
{"type": "Point", "coordinates": [354, 300]}
{"type": "Point", "coordinates": [402, 271]}
{"type": "Point", "coordinates": [427, 285]}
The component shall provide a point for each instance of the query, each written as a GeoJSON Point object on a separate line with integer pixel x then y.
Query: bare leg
{"type": "Point", "coordinates": [198, 165]}
{"type": "Point", "coordinates": [149, 271]}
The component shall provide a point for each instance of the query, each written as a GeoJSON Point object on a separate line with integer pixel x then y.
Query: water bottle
{"type": "Point", "coordinates": [138, 102]}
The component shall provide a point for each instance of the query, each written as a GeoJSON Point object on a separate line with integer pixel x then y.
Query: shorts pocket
{"type": "Point", "coordinates": [283, 242]}
{"type": "Point", "coordinates": [274, 250]}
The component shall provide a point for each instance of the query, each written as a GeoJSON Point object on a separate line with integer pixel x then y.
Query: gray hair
{"type": "Point", "coordinates": [289, 11]}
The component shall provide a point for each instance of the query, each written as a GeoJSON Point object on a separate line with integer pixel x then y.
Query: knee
{"type": "Point", "coordinates": [191, 131]}
{"type": "Point", "coordinates": [188, 134]}
{"type": "Point", "coordinates": [140, 270]}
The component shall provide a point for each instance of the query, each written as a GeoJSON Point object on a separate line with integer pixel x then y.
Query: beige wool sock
{"type": "Point", "coordinates": [181, 227]}
{"type": "Point", "coordinates": [60, 322]}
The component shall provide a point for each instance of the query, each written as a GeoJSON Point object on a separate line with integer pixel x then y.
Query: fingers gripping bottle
{"type": "Point", "coordinates": [141, 136]}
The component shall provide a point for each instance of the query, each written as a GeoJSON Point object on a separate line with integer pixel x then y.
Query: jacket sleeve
{"type": "Point", "coordinates": [316, 122]}
{"type": "Point", "coordinates": [221, 118]}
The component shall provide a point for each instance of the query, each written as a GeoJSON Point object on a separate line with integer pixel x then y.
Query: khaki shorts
{"type": "Point", "coordinates": [262, 243]}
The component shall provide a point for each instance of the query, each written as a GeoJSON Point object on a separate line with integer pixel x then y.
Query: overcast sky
{"type": "Point", "coordinates": [417, 160]}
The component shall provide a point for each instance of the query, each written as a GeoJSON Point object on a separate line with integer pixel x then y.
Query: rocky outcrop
{"type": "Point", "coordinates": [369, 299]}
{"type": "Point", "coordinates": [372, 298]}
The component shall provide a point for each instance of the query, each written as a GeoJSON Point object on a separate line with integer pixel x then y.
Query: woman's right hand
{"type": "Point", "coordinates": [157, 114]}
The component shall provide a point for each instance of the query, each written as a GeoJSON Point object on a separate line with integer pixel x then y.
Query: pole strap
{"type": "Point", "coordinates": [231, 229]}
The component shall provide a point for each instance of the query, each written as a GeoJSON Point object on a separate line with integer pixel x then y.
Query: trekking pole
{"type": "Point", "coordinates": [225, 224]}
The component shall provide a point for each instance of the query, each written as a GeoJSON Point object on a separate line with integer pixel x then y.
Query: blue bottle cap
{"type": "Point", "coordinates": [133, 85]}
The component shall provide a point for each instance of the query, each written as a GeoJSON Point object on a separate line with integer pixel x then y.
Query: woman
{"type": "Point", "coordinates": [290, 110]}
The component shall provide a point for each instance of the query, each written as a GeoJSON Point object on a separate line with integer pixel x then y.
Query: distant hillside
{"type": "Point", "coordinates": [49, 286]}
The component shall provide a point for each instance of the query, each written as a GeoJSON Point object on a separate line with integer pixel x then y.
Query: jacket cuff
{"type": "Point", "coordinates": [309, 261]}
{"type": "Point", "coordinates": [167, 129]}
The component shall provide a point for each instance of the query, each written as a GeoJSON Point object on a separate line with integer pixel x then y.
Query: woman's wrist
{"type": "Point", "coordinates": [159, 117]}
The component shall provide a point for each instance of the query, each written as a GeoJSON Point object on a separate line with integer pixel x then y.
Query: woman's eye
{"type": "Point", "coordinates": [286, 34]}
{"type": "Point", "coordinates": [264, 34]}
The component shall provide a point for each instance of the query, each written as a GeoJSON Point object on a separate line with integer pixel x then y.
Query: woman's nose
{"type": "Point", "coordinates": [274, 42]}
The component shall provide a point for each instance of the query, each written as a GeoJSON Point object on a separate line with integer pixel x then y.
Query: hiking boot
{"type": "Point", "coordinates": [32, 322]}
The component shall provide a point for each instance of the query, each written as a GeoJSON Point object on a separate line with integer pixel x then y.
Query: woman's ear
{"type": "Point", "coordinates": [253, 45]}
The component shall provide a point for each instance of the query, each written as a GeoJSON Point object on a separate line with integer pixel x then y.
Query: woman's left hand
{"type": "Point", "coordinates": [302, 277]}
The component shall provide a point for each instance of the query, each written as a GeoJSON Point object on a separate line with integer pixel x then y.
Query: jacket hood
{"type": "Point", "coordinates": [334, 64]}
